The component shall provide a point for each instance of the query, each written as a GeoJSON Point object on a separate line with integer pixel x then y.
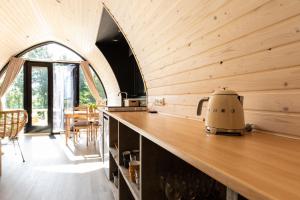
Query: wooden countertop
{"type": "Point", "coordinates": [258, 165]}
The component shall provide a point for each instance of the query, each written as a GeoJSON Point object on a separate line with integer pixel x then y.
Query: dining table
{"type": "Point", "coordinates": [71, 114]}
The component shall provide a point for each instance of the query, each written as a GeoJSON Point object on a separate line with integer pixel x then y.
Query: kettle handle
{"type": "Point", "coordinates": [241, 99]}
{"type": "Point", "coordinates": [199, 109]}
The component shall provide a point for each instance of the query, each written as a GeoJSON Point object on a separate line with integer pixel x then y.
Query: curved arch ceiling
{"type": "Point", "coordinates": [25, 23]}
{"type": "Point", "coordinates": [185, 48]}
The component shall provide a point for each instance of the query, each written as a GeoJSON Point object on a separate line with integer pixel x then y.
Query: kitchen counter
{"type": "Point", "coordinates": [257, 165]}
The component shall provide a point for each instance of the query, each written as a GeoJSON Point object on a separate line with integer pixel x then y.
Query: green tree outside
{"type": "Point", "coordinates": [85, 96]}
{"type": "Point", "coordinates": [14, 97]}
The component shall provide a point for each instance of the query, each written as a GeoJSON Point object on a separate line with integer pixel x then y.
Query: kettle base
{"type": "Point", "coordinates": [220, 131]}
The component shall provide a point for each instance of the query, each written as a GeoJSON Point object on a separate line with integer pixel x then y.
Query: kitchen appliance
{"type": "Point", "coordinates": [225, 114]}
{"type": "Point", "coordinates": [131, 102]}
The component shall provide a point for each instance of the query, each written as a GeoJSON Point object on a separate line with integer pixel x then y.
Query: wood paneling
{"type": "Point", "coordinates": [187, 49]}
{"type": "Point", "coordinates": [271, 80]}
{"type": "Point", "coordinates": [274, 101]}
{"type": "Point", "coordinates": [75, 24]}
{"type": "Point", "coordinates": [240, 37]}
{"type": "Point", "coordinates": [275, 58]}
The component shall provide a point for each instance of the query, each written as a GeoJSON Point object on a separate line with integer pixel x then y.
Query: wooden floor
{"type": "Point", "coordinates": [52, 171]}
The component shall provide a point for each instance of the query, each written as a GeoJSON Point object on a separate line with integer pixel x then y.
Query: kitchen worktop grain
{"type": "Point", "coordinates": [257, 165]}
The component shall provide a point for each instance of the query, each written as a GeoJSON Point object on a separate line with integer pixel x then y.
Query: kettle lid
{"type": "Point", "coordinates": [224, 91]}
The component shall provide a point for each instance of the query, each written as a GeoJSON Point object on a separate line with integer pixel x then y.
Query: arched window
{"type": "Point", "coordinates": [55, 53]}
{"type": "Point", "coordinates": [52, 52]}
{"type": "Point", "coordinates": [49, 83]}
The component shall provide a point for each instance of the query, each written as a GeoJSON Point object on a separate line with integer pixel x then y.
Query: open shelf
{"type": "Point", "coordinates": [113, 170]}
{"type": "Point", "coordinates": [133, 187]}
{"type": "Point", "coordinates": [114, 153]}
{"type": "Point", "coordinates": [124, 192]}
{"type": "Point", "coordinates": [158, 168]}
{"type": "Point", "coordinates": [167, 169]}
{"type": "Point", "coordinates": [128, 140]}
{"type": "Point", "coordinates": [119, 139]}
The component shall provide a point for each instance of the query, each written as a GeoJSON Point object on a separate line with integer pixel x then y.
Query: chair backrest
{"type": "Point", "coordinates": [12, 122]}
{"type": "Point", "coordinates": [80, 113]}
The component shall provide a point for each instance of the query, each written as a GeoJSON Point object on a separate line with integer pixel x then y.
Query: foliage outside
{"type": "Point", "coordinates": [85, 96]}
{"type": "Point", "coordinates": [14, 97]}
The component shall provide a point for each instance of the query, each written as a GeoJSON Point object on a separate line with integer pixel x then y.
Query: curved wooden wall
{"type": "Point", "coordinates": [187, 49]}
{"type": "Point", "coordinates": [26, 23]}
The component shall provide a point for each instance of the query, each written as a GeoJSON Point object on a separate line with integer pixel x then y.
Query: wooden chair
{"type": "Point", "coordinates": [95, 124]}
{"type": "Point", "coordinates": [80, 122]}
{"type": "Point", "coordinates": [11, 124]}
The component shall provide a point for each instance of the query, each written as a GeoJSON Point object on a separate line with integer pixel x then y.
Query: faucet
{"type": "Point", "coordinates": [126, 95]}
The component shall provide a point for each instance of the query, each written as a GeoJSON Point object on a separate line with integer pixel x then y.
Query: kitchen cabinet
{"type": "Point", "coordinates": [159, 165]}
{"type": "Point", "coordinates": [253, 166]}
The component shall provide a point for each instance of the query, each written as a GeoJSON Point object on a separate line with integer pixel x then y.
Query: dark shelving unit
{"type": "Point", "coordinates": [156, 166]}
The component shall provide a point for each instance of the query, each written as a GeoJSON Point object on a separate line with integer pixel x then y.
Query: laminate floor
{"type": "Point", "coordinates": [52, 171]}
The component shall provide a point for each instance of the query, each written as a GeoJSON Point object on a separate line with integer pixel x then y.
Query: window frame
{"type": "Point", "coordinates": [2, 71]}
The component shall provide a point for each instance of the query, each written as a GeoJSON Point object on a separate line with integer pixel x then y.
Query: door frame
{"type": "Point", "coordinates": [28, 93]}
{"type": "Point", "coordinates": [29, 128]}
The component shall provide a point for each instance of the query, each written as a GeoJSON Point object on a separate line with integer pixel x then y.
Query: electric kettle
{"type": "Point", "coordinates": [225, 114]}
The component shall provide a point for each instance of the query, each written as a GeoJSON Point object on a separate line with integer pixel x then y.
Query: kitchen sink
{"type": "Point", "coordinates": [124, 109]}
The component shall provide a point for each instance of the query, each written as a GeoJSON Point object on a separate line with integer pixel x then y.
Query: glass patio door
{"type": "Point", "coordinates": [38, 98]}
{"type": "Point", "coordinates": [65, 92]}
